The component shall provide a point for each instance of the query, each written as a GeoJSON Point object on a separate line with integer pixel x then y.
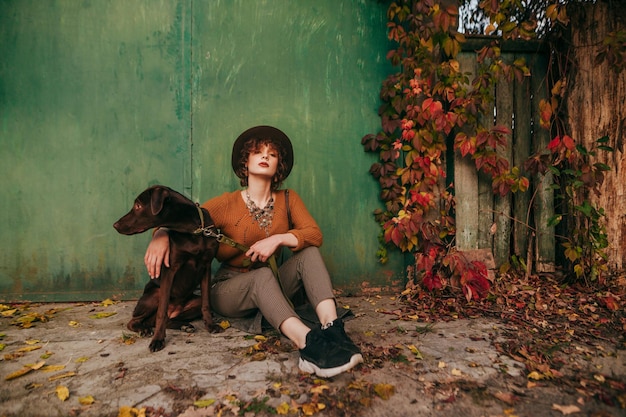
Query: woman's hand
{"type": "Point", "coordinates": [158, 253]}
{"type": "Point", "coordinates": [263, 249]}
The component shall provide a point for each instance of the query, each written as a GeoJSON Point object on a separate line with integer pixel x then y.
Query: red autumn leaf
{"type": "Point", "coordinates": [554, 144]}
{"type": "Point", "coordinates": [432, 281]}
{"type": "Point", "coordinates": [610, 302]}
{"type": "Point", "coordinates": [474, 281]}
{"type": "Point", "coordinates": [569, 142]}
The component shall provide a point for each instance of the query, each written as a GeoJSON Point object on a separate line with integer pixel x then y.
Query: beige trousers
{"type": "Point", "coordinates": [242, 294]}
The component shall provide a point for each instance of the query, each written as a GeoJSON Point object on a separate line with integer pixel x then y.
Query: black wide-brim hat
{"type": "Point", "coordinates": [276, 136]}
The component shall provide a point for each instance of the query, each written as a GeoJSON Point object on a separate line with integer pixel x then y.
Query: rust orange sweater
{"type": "Point", "coordinates": [231, 216]}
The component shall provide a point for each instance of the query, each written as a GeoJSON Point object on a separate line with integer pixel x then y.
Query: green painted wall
{"type": "Point", "coordinates": [100, 99]}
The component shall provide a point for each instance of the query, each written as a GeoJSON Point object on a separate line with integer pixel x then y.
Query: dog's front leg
{"type": "Point", "coordinates": [167, 278]}
{"type": "Point", "coordinates": [205, 295]}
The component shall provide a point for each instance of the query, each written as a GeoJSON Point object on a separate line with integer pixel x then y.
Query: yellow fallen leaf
{"type": "Point", "coordinates": [88, 400]}
{"type": "Point", "coordinates": [370, 333]}
{"type": "Point", "coordinates": [61, 376]}
{"type": "Point", "coordinates": [384, 391]}
{"type": "Point", "coordinates": [224, 324]}
{"type": "Point", "coordinates": [8, 313]}
{"type": "Point", "coordinates": [260, 338]}
{"type": "Point", "coordinates": [46, 355]}
{"type": "Point", "coordinates": [309, 409]}
{"type": "Point", "coordinates": [109, 302]}
{"type": "Point", "coordinates": [24, 370]}
{"type": "Point", "coordinates": [29, 348]}
{"type": "Point", "coordinates": [73, 323]}
{"type": "Point", "coordinates": [102, 315]}
{"type": "Point", "coordinates": [535, 375]}
{"type": "Point", "coordinates": [126, 411]}
{"type": "Point", "coordinates": [52, 368]}
{"type": "Point", "coordinates": [204, 403]}
{"type": "Point", "coordinates": [319, 389]}
{"type": "Point", "coordinates": [456, 372]}
{"type": "Point", "coordinates": [566, 409]}
{"type": "Point", "coordinates": [415, 351]}
{"type": "Point", "coordinates": [62, 392]}
{"type": "Point", "coordinates": [32, 341]}
{"type": "Point", "coordinates": [82, 359]}
{"type": "Point", "coordinates": [282, 409]}
{"type": "Point", "coordinates": [2, 346]}
{"type": "Point", "coordinates": [441, 365]}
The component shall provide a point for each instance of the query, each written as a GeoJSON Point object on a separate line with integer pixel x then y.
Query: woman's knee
{"type": "Point", "coordinates": [264, 281]}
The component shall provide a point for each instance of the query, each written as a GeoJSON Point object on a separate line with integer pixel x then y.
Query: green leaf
{"type": "Point", "coordinates": [602, 167]}
{"type": "Point", "coordinates": [554, 220]}
{"type": "Point", "coordinates": [204, 403]}
{"type": "Point", "coordinates": [603, 139]}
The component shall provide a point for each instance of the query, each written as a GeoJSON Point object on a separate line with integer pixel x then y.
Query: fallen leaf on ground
{"type": "Point", "coordinates": [103, 315]}
{"type": "Point", "coordinates": [62, 392]}
{"type": "Point", "coordinates": [61, 376]}
{"type": "Point", "coordinates": [52, 368]}
{"type": "Point", "coordinates": [8, 313]}
{"type": "Point", "coordinates": [319, 389]}
{"type": "Point", "coordinates": [24, 370]}
{"type": "Point", "coordinates": [126, 411]}
{"type": "Point", "coordinates": [204, 403]}
{"type": "Point", "coordinates": [29, 348]}
{"type": "Point", "coordinates": [282, 409]}
{"type": "Point", "coordinates": [416, 352]}
{"type": "Point", "coordinates": [384, 391]}
{"type": "Point", "coordinates": [88, 400]}
{"type": "Point", "coordinates": [566, 409]}
{"type": "Point", "coordinates": [506, 397]}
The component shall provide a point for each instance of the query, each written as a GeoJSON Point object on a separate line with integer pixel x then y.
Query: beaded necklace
{"type": "Point", "coordinates": [263, 216]}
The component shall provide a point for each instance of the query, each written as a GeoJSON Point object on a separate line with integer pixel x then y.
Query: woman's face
{"type": "Point", "coordinates": [263, 161]}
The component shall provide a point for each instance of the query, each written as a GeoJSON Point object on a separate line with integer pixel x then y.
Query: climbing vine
{"type": "Point", "coordinates": [431, 109]}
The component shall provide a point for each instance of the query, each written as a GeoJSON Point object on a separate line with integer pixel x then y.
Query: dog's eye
{"type": "Point", "coordinates": [137, 206]}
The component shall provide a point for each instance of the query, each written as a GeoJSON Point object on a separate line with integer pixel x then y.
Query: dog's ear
{"type": "Point", "coordinates": [157, 199]}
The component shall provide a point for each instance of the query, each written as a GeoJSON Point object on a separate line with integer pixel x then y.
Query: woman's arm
{"type": "Point", "coordinates": [158, 253]}
{"type": "Point", "coordinates": [264, 248]}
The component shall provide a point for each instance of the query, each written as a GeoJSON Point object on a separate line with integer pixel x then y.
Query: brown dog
{"type": "Point", "coordinates": [171, 302]}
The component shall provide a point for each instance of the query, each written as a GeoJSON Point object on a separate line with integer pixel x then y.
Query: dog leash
{"type": "Point", "coordinates": [212, 231]}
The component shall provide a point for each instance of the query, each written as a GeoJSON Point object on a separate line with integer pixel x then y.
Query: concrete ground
{"type": "Point", "coordinates": [80, 360]}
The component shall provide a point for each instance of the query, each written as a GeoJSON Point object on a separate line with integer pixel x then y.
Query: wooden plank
{"type": "Point", "coordinates": [502, 205]}
{"type": "Point", "coordinates": [522, 145]}
{"type": "Point", "coordinates": [544, 201]}
{"type": "Point", "coordinates": [466, 183]}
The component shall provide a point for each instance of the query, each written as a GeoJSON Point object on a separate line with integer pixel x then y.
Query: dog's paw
{"type": "Point", "coordinates": [188, 328]}
{"type": "Point", "coordinates": [214, 328]}
{"type": "Point", "coordinates": [147, 332]}
{"type": "Point", "coordinates": [156, 345]}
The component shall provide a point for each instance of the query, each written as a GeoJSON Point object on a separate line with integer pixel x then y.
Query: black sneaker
{"type": "Point", "coordinates": [325, 358]}
{"type": "Point", "coordinates": [336, 333]}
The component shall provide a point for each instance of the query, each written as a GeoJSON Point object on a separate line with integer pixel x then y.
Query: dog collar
{"type": "Point", "coordinates": [208, 231]}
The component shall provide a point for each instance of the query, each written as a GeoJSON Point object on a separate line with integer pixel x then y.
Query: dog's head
{"type": "Point", "coordinates": [147, 212]}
